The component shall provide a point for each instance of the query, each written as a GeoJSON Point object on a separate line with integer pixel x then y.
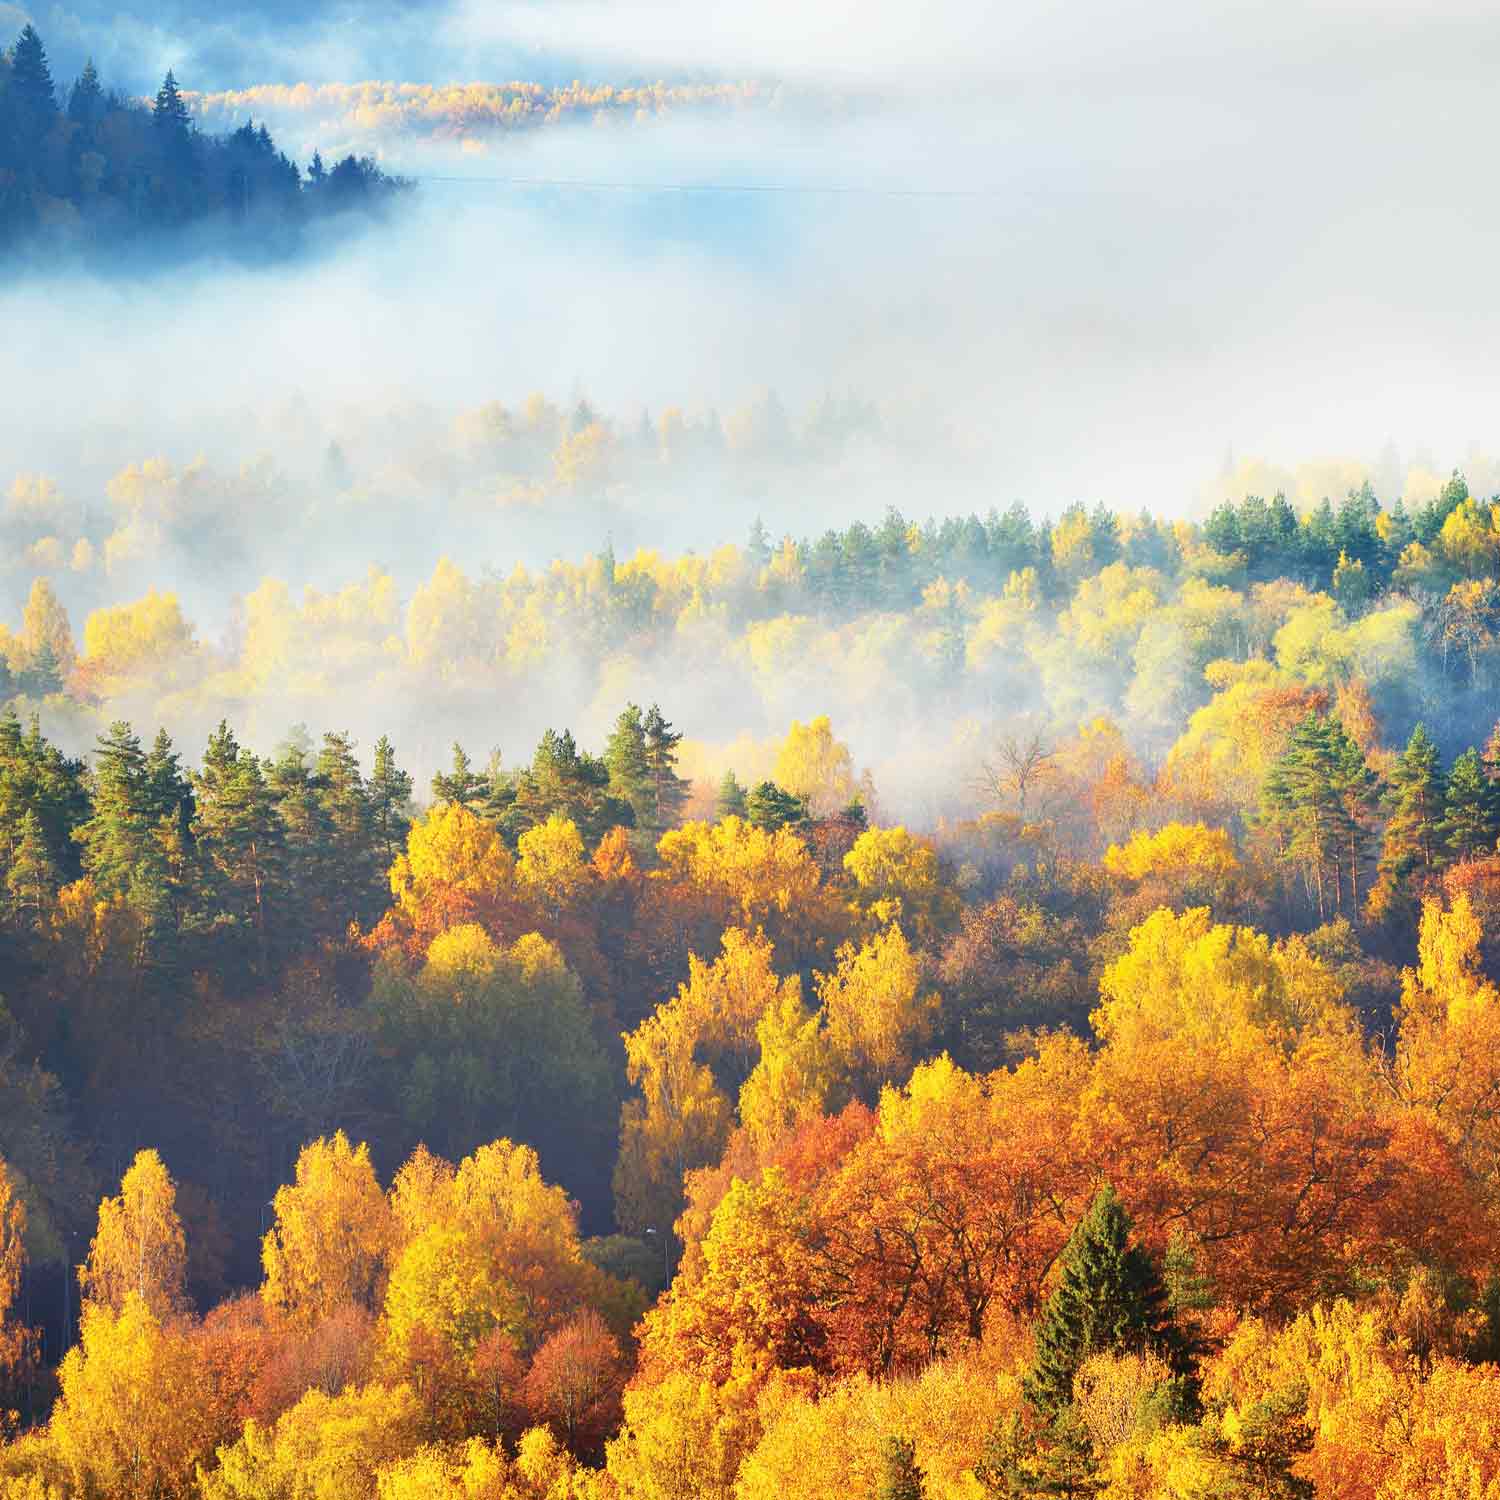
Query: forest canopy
{"type": "Point", "coordinates": [1084, 1135]}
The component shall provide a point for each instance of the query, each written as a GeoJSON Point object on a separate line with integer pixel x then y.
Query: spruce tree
{"type": "Point", "coordinates": [571, 783]}
{"type": "Point", "coordinates": [1110, 1297]}
{"type": "Point", "coordinates": [36, 777]}
{"type": "Point", "coordinates": [900, 1476]}
{"type": "Point", "coordinates": [33, 97]}
{"type": "Point", "coordinates": [169, 797]}
{"type": "Point", "coordinates": [1471, 820]}
{"type": "Point", "coordinates": [170, 115]}
{"type": "Point", "coordinates": [43, 674]}
{"type": "Point", "coordinates": [307, 872]}
{"type": "Point", "coordinates": [172, 127]}
{"type": "Point", "coordinates": [237, 836]}
{"type": "Point", "coordinates": [731, 802]}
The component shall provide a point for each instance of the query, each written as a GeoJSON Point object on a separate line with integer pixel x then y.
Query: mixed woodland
{"type": "Point", "coordinates": [687, 1107]}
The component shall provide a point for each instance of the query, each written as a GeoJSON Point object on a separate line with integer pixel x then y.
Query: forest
{"type": "Point", "coordinates": [96, 171]}
{"type": "Point", "coordinates": [987, 1006]}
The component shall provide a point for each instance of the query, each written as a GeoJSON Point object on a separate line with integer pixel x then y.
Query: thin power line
{"type": "Point", "coordinates": [591, 186]}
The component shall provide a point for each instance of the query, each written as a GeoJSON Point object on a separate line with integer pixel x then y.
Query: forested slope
{"type": "Point", "coordinates": [1129, 1120]}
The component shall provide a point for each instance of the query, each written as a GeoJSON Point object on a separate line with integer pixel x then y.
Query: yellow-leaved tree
{"type": "Point", "coordinates": [139, 1245]}
{"type": "Point", "coordinates": [324, 1448]}
{"type": "Point", "coordinates": [455, 866]}
{"type": "Point", "coordinates": [877, 1015]}
{"type": "Point", "coordinates": [332, 1235]}
{"type": "Point", "coordinates": [1177, 851]}
{"type": "Point", "coordinates": [732, 874]}
{"type": "Point", "coordinates": [724, 1001]}
{"type": "Point", "coordinates": [1185, 975]}
{"type": "Point", "coordinates": [133, 1418]}
{"type": "Point", "coordinates": [815, 765]}
{"type": "Point", "coordinates": [18, 1343]}
{"type": "Point", "coordinates": [553, 865]}
{"type": "Point", "coordinates": [681, 1120]}
{"type": "Point", "coordinates": [490, 1264]}
{"type": "Point", "coordinates": [797, 1074]}
{"type": "Point", "coordinates": [897, 879]}
{"type": "Point", "coordinates": [1448, 1050]}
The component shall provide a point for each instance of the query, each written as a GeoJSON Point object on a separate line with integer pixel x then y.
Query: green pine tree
{"type": "Point", "coordinates": [169, 797]}
{"type": "Point", "coordinates": [567, 781]}
{"type": "Point", "coordinates": [238, 838]}
{"type": "Point", "coordinates": [731, 802]}
{"type": "Point", "coordinates": [668, 790]}
{"type": "Point", "coordinates": [1302, 803]}
{"type": "Point", "coordinates": [1414, 796]}
{"type": "Point", "coordinates": [36, 777]}
{"type": "Point", "coordinates": [900, 1476]}
{"type": "Point", "coordinates": [389, 792]}
{"type": "Point", "coordinates": [629, 769]}
{"type": "Point", "coordinates": [463, 785]}
{"type": "Point", "coordinates": [32, 879]}
{"type": "Point", "coordinates": [170, 115]}
{"type": "Point", "coordinates": [354, 871]}
{"type": "Point", "coordinates": [770, 808]}
{"type": "Point", "coordinates": [42, 675]}
{"type": "Point", "coordinates": [176, 161]}
{"type": "Point", "coordinates": [1357, 788]}
{"type": "Point", "coordinates": [116, 837]}
{"type": "Point", "coordinates": [306, 875]}
{"type": "Point", "coordinates": [1109, 1297]}
{"type": "Point", "coordinates": [1471, 810]}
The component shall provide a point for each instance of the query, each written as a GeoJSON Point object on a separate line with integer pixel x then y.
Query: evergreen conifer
{"type": "Point", "coordinates": [1471, 821]}
{"type": "Point", "coordinates": [1109, 1297]}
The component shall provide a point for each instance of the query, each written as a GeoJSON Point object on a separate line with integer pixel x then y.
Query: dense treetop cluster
{"type": "Point", "coordinates": [87, 167]}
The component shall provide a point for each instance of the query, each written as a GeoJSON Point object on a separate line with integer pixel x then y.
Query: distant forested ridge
{"type": "Point", "coordinates": [87, 167]}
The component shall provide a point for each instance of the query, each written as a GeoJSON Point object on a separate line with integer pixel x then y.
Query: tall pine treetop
{"type": "Point", "coordinates": [170, 115]}
{"type": "Point", "coordinates": [1415, 795]}
{"type": "Point", "coordinates": [1471, 821]}
{"type": "Point", "coordinates": [86, 101]}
